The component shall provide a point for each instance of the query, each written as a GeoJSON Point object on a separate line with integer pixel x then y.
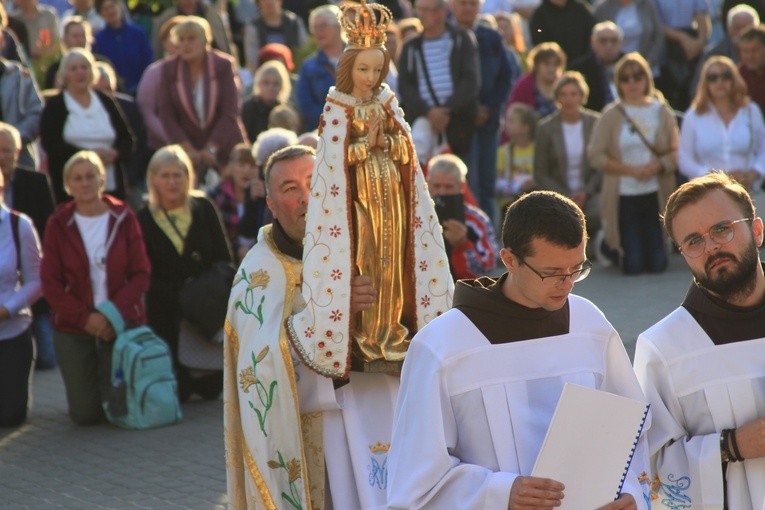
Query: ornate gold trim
{"type": "Point", "coordinates": [261, 485]}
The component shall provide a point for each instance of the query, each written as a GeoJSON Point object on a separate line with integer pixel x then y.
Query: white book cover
{"type": "Point", "coordinates": [589, 445]}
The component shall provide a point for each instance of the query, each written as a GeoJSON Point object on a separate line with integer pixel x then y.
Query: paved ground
{"type": "Point", "coordinates": [48, 463]}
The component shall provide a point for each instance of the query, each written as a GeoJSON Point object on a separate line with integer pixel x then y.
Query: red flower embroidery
{"type": "Point", "coordinates": [309, 332]}
{"type": "Point", "coordinates": [423, 265]}
{"type": "Point", "coordinates": [336, 315]}
{"type": "Point", "coordinates": [329, 333]}
{"type": "Point", "coordinates": [417, 222]}
{"type": "Point", "coordinates": [334, 190]}
{"type": "Point", "coordinates": [334, 231]}
{"type": "Point", "coordinates": [425, 301]}
{"type": "Point", "coordinates": [336, 274]}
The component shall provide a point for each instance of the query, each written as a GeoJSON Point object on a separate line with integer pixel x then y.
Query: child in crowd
{"type": "Point", "coordinates": [284, 116]}
{"type": "Point", "coordinates": [515, 159]}
{"type": "Point", "coordinates": [239, 200]}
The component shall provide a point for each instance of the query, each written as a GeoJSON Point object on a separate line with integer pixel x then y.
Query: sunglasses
{"type": "Point", "coordinates": [723, 76]}
{"type": "Point", "coordinates": [634, 77]}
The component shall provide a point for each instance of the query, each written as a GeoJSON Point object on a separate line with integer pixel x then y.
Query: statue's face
{"type": "Point", "coordinates": [366, 72]}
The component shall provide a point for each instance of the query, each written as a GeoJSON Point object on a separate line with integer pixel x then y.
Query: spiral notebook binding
{"type": "Point", "coordinates": [632, 452]}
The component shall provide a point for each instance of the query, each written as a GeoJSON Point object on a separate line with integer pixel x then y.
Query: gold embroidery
{"type": "Point", "coordinates": [379, 447]}
{"type": "Point", "coordinates": [293, 274]}
{"type": "Point", "coordinates": [259, 278]}
{"type": "Point", "coordinates": [265, 494]}
{"type": "Point", "coordinates": [246, 379]}
{"type": "Point", "coordinates": [293, 468]}
{"type": "Point", "coordinates": [233, 336]}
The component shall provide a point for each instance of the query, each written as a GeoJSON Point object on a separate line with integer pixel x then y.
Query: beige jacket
{"type": "Point", "coordinates": [604, 146]}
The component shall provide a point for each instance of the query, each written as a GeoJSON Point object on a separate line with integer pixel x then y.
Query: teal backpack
{"type": "Point", "coordinates": [144, 391]}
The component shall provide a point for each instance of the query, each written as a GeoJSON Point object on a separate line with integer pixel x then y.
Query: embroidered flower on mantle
{"type": "Point", "coordinates": [336, 315]}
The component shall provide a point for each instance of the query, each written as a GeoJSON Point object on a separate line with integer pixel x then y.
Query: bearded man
{"type": "Point", "coordinates": [702, 367]}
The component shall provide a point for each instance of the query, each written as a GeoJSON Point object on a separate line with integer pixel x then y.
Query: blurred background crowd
{"type": "Point", "coordinates": [148, 123]}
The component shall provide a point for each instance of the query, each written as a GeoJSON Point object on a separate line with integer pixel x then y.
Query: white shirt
{"type": "Point", "coordinates": [90, 128]}
{"type": "Point", "coordinates": [706, 143]}
{"type": "Point", "coordinates": [14, 295]}
{"type": "Point", "coordinates": [93, 231]}
{"type": "Point", "coordinates": [573, 139]}
{"type": "Point", "coordinates": [634, 151]}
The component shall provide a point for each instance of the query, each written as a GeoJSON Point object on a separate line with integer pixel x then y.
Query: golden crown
{"type": "Point", "coordinates": [379, 447]}
{"type": "Point", "coordinates": [365, 24]}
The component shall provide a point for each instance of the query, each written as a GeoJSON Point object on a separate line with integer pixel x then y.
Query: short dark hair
{"type": "Point", "coordinates": [542, 215]}
{"type": "Point", "coordinates": [696, 189]}
{"type": "Point", "coordinates": [285, 154]}
{"type": "Point", "coordinates": [753, 34]}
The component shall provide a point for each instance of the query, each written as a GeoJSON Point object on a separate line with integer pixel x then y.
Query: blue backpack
{"type": "Point", "coordinates": [144, 391]}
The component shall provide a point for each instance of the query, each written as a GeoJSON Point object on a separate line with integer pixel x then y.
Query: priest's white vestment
{"type": "Point", "coordinates": [471, 416]}
{"type": "Point", "coordinates": [697, 389]}
{"type": "Point", "coordinates": [283, 421]}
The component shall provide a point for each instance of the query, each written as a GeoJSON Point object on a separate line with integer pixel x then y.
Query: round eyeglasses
{"type": "Point", "coordinates": [722, 233]}
{"type": "Point", "coordinates": [555, 280]}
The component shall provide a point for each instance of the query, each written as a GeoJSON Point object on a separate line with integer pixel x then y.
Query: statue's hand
{"type": "Point", "coordinates": [375, 131]}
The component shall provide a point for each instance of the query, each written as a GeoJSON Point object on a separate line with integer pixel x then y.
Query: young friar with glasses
{"type": "Point", "coordinates": [703, 366]}
{"type": "Point", "coordinates": [480, 383]}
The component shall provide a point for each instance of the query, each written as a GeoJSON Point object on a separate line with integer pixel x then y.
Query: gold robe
{"type": "Point", "coordinates": [381, 232]}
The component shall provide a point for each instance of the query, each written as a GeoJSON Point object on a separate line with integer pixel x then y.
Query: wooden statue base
{"type": "Point", "coordinates": [376, 367]}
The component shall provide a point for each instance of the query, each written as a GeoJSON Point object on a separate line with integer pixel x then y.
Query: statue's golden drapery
{"type": "Point", "coordinates": [370, 215]}
{"type": "Point", "coordinates": [381, 232]}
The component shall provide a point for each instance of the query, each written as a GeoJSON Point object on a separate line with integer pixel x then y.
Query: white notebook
{"type": "Point", "coordinates": [589, 445]}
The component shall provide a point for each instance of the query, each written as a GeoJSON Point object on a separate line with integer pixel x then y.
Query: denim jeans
{"type": "Point", "coordinates": [641, 235]}
{"type": "Point", "coordinates": [482, 167]}
{"type": "Point", "coordinates": [43, 333]}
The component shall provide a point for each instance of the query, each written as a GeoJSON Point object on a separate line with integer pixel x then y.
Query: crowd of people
{"type": "Point", "coordinates": [138, 151]}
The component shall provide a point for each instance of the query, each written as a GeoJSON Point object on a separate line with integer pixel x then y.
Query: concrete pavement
{"type": "Point", "coordinates": [48, 463]}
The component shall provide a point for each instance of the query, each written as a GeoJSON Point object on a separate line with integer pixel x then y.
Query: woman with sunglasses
{"type": "Point", "coordinates": [634, 144]}
{"type": "Point", "coordinates": [723, 129]}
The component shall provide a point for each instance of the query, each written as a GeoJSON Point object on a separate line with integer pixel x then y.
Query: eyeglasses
{"type": "Point", "coordinates": [555, 280]}
{"type": "Point", "coordinates": [634, 77]}
{"type": "Point", "coordinates": [723, 76]}
{"type": "Point", "coordinates": [722, 233]}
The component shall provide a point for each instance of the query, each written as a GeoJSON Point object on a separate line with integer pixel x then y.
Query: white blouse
{"type": "Point", "coordinates": [706, 143]}
{"type": "Point", "coordinates": [90, 128]}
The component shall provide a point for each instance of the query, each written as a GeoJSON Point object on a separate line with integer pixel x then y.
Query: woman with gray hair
{"type": "Point", "coordinates": [80, 117]}
{"type": "Point", "coordinates": [184, 238]}
{"type": "Point", "coordinates": [317, 74]}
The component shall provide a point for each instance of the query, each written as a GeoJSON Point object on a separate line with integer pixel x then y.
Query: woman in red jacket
{"type": "Point", "coordinates": [94, 252]}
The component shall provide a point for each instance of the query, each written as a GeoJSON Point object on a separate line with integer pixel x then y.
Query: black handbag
{"type": "Point", "coordinates": [204, 299]}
